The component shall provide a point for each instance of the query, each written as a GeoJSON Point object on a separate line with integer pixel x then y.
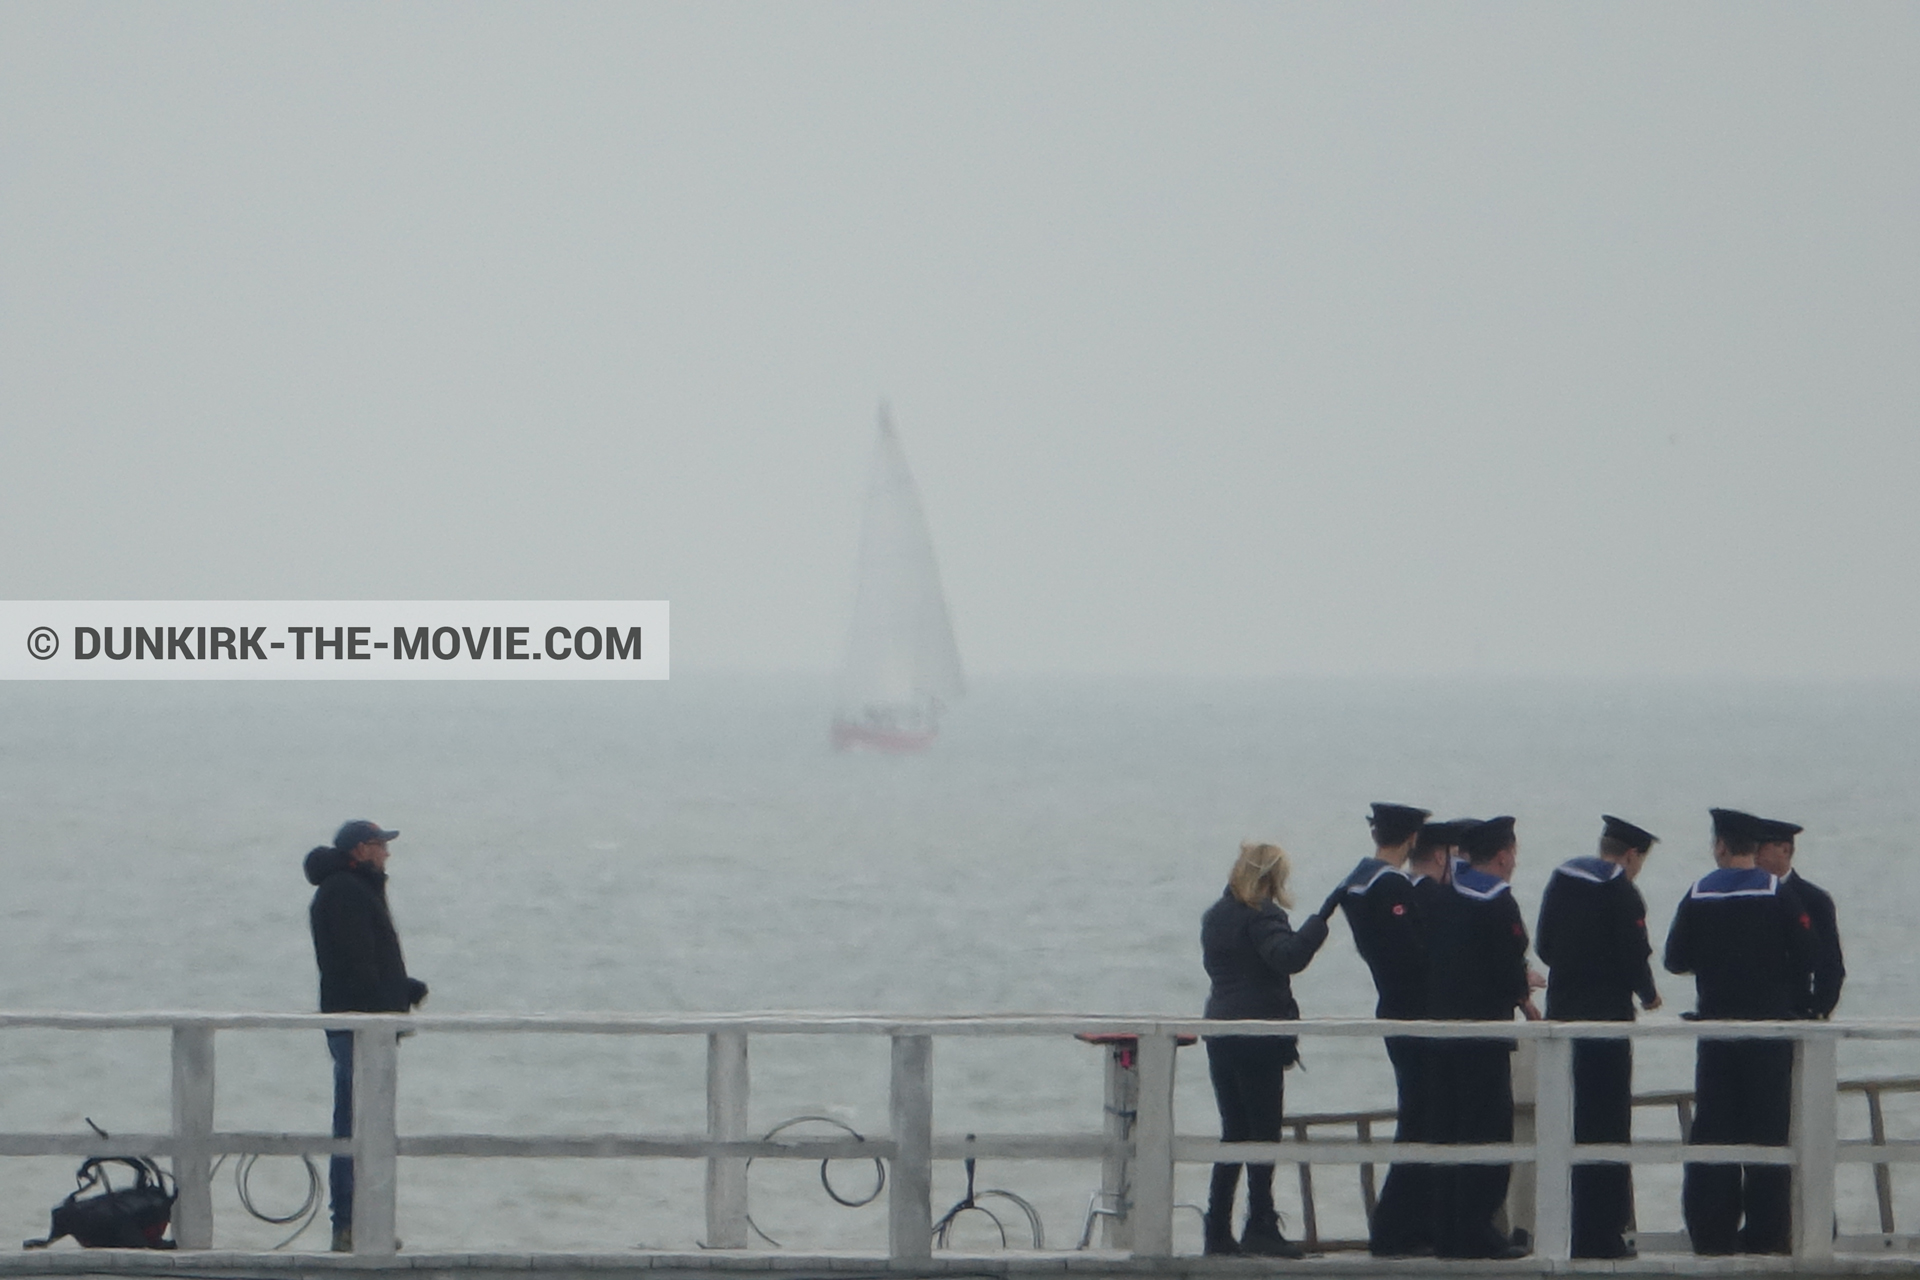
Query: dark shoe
{"type": "Point", "coordinates": [1219, 1241]}
{"type": "Point", "coordinates": [1386, 1250]}
{"type": "Point", "coordinates": [1262, 1238]}
{"type": "Point", "coordinates": [343, 1240]}
{"type": "Point", "coordinates": [1494, 1250]}
{"type": "Point", "coordinates": [1492, 1253]}
{"type": "Point", "coordinates": [1616, 1250]}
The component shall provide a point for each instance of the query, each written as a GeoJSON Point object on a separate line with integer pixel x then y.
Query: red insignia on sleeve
{"type": "Point", "coordinates": [1806, 921]}
{"type": "Point", "coordinates": [1399, 908]}
{"type": "Point", "coordinates": [1519, 931]}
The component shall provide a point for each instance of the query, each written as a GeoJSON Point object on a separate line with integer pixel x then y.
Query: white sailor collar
{"type": "Point", "coordinates": [1735, 882]}
{"type": "Point", "coordinates": [1595, 870]}
{"type": "Point", "coordinates": [1481, 886]}
{"type": "Point", "coordinates": [1368, 873]}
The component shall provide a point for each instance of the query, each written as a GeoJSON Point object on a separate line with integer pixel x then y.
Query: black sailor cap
{"type": "Point", "coordinates": [1489, 837]}
{"type": "Point", "coordinates": [1393, 823]}
{"type": "Point", "coordinates": [1626, 833]}
{"type": "Point", "coordinates": [1732, 824]}
{"type": "Point", "coordinates": [1442, 835]}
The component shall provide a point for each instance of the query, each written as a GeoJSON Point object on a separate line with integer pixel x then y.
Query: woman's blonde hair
{"type": "Point", "coordinates": [1261, 873]}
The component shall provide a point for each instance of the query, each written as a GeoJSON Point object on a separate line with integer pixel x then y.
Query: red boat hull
{"type": "Point", "coordinates": [850, 735]}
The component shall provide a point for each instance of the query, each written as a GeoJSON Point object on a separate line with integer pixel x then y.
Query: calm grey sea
{"type": "Point", "coordinates": [694, 846]}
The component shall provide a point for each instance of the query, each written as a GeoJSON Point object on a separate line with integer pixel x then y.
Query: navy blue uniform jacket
{"type": "Point", "coordinates": [1747, 939]}
{"type": "Point", "coordinates": [1829, 966]}
{"type": "Point", "coordinates": [1593, 932]}
{"type": "Point", "coordinates": [1479, 970]}
{"type": "Point", "coordinates": [1390, 933]}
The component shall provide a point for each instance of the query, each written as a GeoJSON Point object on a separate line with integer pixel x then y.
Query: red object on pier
{"type": "Point", "coordinates": [1125, 1044]}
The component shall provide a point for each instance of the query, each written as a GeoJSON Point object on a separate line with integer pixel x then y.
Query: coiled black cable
{"type": "Point", "coordinates": [971, 1203]}
{"type": "Point", "coordinates": [308, 1210]}
{"type": "Point", "coordinates": [826, 1182]}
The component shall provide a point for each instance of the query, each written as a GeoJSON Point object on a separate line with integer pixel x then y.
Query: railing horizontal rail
{"type": "Point", "coordinates": [1858, 1151]}
{"type": "Point", "coordinates": [1885, 1084]}
{"type": "Point", "coordinates": [1314, 1151]}
{"type": "Point", "coordinates": [165, 1144]}
{"type": "Point", "coordinates": [1066, 1146]}
{"type": "Point", "coordinates": [620, 1147]}
{"type": "Point", "coordinates": [963, 1025]}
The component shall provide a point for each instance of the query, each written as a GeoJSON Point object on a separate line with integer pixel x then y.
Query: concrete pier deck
{"type": "Point", "coordinates": [1009, 1265]}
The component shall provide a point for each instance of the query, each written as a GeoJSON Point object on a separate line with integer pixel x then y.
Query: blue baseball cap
{"type": "Point", "coordinates": [358, 832]}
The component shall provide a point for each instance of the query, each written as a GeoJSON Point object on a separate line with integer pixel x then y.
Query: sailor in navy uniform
{"type": "Point", "coordinates": [1748, 942]}
{"type": "Point", "coordinates": [1479, 973]}
{"type": "Point", "coordinates": [1403, 1219]}
{"type": "Point", "coordinates": [1775, 856]}
{"type": "Point", "coordinates": [1434, 853]}
{"type": "Point", "coordinates": [1387, 931]}
{"type": "Point", "coordinates": [1593, 934]}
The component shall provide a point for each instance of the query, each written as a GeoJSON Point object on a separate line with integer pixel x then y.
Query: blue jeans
{"type": "Point", "coordinates": [340, 1168]}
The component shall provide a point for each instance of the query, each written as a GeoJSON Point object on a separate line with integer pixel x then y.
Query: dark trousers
{"type": "Point", "coordinates": [1474, 1082]}
{"type": "Point", "coordinates": [1602, 1112]}
{"type": "Point", "coordinates": [1403, 1218]}
{"type": "Point", "coordinates": [340, 1168]}
{"type": "Point", "coordinates": [1249, 1075]}
{"type": "Point", "coordinates": [1743, 1093]}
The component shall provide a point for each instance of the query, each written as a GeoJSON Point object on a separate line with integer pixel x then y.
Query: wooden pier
{"type": "Point", "coordinates": [1138, 1150]}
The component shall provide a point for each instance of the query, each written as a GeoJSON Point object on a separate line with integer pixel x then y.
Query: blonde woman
{"type": "Point", "coordinates": [1251, 952]}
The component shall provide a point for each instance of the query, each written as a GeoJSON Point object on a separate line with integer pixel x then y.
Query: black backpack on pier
{"type": "Point", "coordinates": [134, 1217]}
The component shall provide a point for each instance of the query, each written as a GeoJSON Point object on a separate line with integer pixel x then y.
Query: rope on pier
{"type": "Point", "coordinates": [308, 1210]}
{"type": "Point", "coordinates": [971, 1203]}
{"type": "Point", "coordinates": [826, 1182]}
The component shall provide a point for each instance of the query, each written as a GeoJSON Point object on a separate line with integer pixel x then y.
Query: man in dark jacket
{"type": "Point", "coordinates": [1748, 942]}
{"type": "Point", "coordinates": [1775, 857]}
{"type": "Point", "coordinates": [361, 971]}
{"type": "Point", "coordinates": [1593, 933]}
{"type": "Point", "coordinates": [1391, 937]}
{"type": "Point", "coordinates": [1402, 1222]}
{"type": "Point", "coordinates": [1479, 973]}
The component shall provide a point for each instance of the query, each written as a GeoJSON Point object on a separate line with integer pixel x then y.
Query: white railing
{"type": "Point", "coordinates": [1139, 1148]}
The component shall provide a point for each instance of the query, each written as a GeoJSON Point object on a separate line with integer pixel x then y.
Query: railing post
{"type": "Point", "coordinates": [1816, 1143]}
{"type": "Point", "coordinates": [376, 1145]}
{"type": "Point", "coordinates": [1518, 1211]}
{"type": "Point", "coordinates": [1882, 1173]}
{"type": "Point", "coordinates": [1309, 1211]}
{"type": "Point", "coordinates": [726, 1122]}
{"type": "Point", "coordinates": [1116, 1167]}
{"type": "Point", "coordinates": [910, 1184]}
{"type": "Point", "coordinates": [193, 1136]}
{"type": "Point", "coordinates": [1553, 1149]}
{"type": "Point", "coordinates": [1153, 1150]}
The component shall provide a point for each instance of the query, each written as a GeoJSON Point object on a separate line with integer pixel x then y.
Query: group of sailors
{"type": "Point", "coordinates": [1433, 915]}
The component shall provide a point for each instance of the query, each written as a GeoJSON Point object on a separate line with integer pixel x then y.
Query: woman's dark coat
{"type": "Point", "coordinates": [1251, 954]}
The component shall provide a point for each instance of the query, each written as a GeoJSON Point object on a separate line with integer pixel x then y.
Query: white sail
{"type": "Point", "coordinates": [902, 663]}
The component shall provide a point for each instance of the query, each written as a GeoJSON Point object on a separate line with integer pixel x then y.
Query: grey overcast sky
{"type": "Point", "coordinates": [1224, 339]}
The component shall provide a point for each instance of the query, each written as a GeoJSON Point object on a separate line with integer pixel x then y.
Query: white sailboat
{"type": "Point", "coordinates": [902, 666]}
